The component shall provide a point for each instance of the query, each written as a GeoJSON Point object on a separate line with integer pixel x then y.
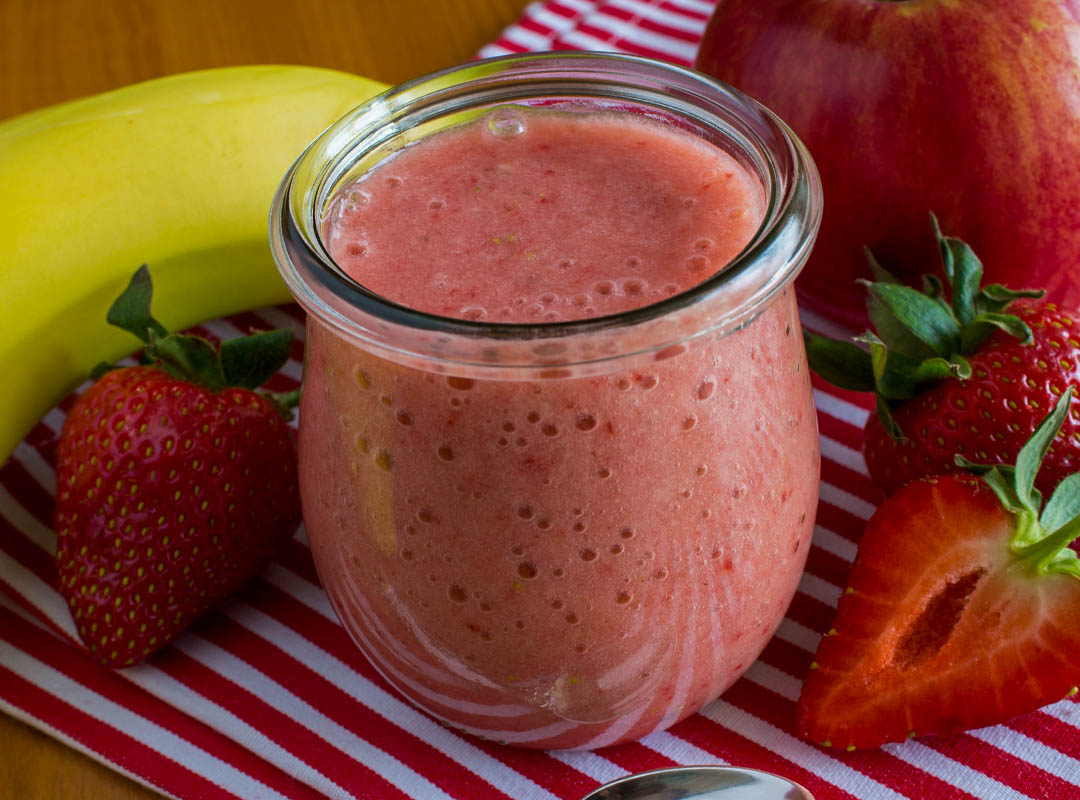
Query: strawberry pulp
{"type": "Point", "coordinates": [565, 562]}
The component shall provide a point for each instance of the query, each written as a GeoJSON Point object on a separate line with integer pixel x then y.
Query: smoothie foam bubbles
{"type": "Point", "coordinates": [535, 215]}
{"type": "Point", "coordinates": [558, 450]}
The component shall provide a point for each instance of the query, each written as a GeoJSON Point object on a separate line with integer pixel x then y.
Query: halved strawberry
{"type": "Point", "coordinates": [963, 608]}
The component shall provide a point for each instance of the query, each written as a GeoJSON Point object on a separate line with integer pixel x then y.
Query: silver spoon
{"type": "Point", "coordinates": [701, 783]}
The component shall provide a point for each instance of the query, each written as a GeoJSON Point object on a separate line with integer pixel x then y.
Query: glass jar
{"type": "Point", "coordinates": [562, 534]}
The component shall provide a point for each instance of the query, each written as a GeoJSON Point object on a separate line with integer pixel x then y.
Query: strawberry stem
{"type": "Point", "coordinates": [1051, 553]}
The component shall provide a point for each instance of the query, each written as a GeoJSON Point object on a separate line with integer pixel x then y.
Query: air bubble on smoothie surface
{"type": "Point", "coordinates": [445, 452]}
{"type": "Point", "coordinates": [457, 593]}
{"type": "Point", "coordinates": [461, 384]}
{"type": "Point", "coordinates": [356, 249]}
{"type": "Point", "coordinates": [506, 122]}
{"type": "Point", "coordinates": [588, 555]}
{"type": "Point", "coordinates": [473, 313]}
{"type": "Point", "coordinates": [527, 570]}
{"type": "Point", "coordinates": [705, 389]}
{"type": "Point", "coordinates": [697, 263]}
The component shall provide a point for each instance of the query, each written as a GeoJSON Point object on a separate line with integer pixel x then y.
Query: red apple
{"type": "Point", "coordinates": [967, 108]}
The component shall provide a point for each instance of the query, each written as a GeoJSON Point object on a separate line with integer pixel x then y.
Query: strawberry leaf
{"type": "Point", "coordinates": [897, 377]}
{"type": "Point", "coordinates": [984, 325]}
{"type": "Point", "coordinates": [998, 477]}
{"type": "Point", "coordinates": [933, 287]}
{"type": "Point", "coordinates": [893, 380]}
{"type": "Point", "coordinates": [250, 361]}
{"type": "Point", "coordinates": [840, 363]}
{"type": "Point", "coordinates": [189, 358]}
{"type": "Point", "coordinates": [965, 278]}
{"type": "Point", "coordinates": [885, 324]}
{"type": "Point", "coordinates": [131, 310]}
{"type": "Point", "coordinates": [1064, 504]}
{"type": "Point", "coordinates": [1034, 450]}
{"type": "Point", "coordinates": [995, 297]}
{"type": "Point", "coordinates": [888, 422]}
{"type": "Point", "coordinates": [924, 318]}
{"type": "Point", "coordinates": [946, 254]}
{"type": "Point", "coordinates": [881, 275]}
{"type": "Point", "coordinates": [895, 334]}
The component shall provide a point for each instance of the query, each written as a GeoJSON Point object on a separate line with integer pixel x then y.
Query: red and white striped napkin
{"type": "Point", "coordinates": [266, 697]}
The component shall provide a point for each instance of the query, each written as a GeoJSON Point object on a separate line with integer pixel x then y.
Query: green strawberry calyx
{"type": "Point", "coordinates": [1043, 534]}
{"type": "Point", "coordinates": [919, 337]}
{"type": "Point", "coordinates": [246, 362]}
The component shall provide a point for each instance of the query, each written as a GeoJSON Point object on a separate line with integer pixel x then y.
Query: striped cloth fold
{"type": "Point", "coordinates": [267, 697]}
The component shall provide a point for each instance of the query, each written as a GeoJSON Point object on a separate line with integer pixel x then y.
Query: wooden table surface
{"type": "Point", "coordinates": [54, 50]}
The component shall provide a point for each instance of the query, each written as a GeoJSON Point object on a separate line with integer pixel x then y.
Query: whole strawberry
{"type": "Point", "coordinates": [175, 482]}
{"type": "Point", "coordinates": [966, 373]}
{"type": "Point", "coordinates": [961, 610]}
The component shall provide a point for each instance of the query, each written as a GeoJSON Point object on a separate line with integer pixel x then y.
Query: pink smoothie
{"type": "Point", "coordinates": [558, 563]}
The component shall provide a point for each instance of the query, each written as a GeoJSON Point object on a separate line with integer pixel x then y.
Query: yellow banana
{"type": "Point", "coordinates": [178, 173]}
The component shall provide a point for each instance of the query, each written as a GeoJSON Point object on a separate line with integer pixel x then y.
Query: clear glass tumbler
{"type": "Point", "coordinates": [563, 534]}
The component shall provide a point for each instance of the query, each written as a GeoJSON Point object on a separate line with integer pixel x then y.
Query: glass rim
{"type": "Point", "coordinates": [790, 222]}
